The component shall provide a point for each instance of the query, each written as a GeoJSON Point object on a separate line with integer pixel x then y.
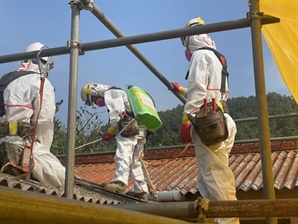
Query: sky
{"type": "Point", "coordinates": [23, 22]}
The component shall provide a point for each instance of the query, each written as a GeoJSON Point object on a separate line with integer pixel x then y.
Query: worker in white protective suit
{"type": "Point", "coordinates": [215, 179]}
{"type": "Point", "coordinates": [22, 100]}
{"type": "Point", "coordinates": [129, 145]}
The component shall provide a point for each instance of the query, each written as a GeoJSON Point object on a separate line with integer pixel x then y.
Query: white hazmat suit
{"type": "Point", "coordinates": [129, 149]}
{"type": "Point", "coordinates": [215, 179]}
{"type": "Point", "coordinates": [22, 103]}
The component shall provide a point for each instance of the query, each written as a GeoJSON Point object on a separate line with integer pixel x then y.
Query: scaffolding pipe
{"type": "Point", "coordinates": [218, 209]}
{"type": "Point", "coordinates": [25, 207]}
{"type": "Point", "coordinates": [72, 98]}
{"type": "Point", "coordinates": [163, 35]}
{"type": "Point", "coordinates": [291, 138]}
{"type": "Point", "coordinates": [242, 120]}
{"type": "Point", "coordinates": [262, 109]}
{"type": "Point", "coordinates": [104, 20]}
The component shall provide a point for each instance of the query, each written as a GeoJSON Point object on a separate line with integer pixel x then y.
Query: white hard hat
{"type": "Point", "coordinates": [92, 89]}
{"type": "Point", "coordinates": [195, 22]}
{"type": "Point", "coordinates": [36, 47]}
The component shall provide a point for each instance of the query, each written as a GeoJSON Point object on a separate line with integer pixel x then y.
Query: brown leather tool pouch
{"type": "Point", "coordinates": [129, 130]}
{"type": "Point", "coordinates": [212, 128]}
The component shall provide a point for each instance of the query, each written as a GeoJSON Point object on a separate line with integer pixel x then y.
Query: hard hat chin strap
{"type": "Point", "coordinates": [44, 68]}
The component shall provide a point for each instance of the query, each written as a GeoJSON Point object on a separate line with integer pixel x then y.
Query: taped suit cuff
{"type": "Point", "coordinates": [112, 130]}
{"type": "Point", "coordinates": [182, 90]}
{"type": "Point", "coordinates": [185, 119]}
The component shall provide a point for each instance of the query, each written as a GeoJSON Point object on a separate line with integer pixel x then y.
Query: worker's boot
{"type": "Point", "coordinates": [117, 187]}
{"type": "Point", "coordinates": [142, 195]}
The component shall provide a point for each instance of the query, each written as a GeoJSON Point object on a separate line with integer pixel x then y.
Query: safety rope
{"type": "Point", "coordinates": [156, 165]}
{"type": "Point", "coordinates": [148, 180]}
{"type": "Point", "coordinates": [42, 80]}
{"type": "Point", "coordinates": [3, 167]}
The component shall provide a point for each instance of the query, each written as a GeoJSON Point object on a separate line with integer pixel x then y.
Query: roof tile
{"type": "Point", "coordinates": [175, 169]}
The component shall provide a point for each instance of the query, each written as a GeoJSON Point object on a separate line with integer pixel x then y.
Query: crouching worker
{"type": "Point", "coordinates": [130, 143]}
{"type": "Point", "coordinates": [27, 109]}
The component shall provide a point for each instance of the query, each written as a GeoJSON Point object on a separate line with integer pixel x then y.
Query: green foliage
{"type": "Point", "coordinates": [242, 107]}
{"type": "Point", "coordinates": [89, 128]}
{"type": "Point", "coordinates": [168, 134]}
{"type": "Point", "coordinates": [59, 141]}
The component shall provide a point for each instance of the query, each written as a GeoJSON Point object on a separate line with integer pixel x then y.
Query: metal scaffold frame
{"type": "Point", "coordinates": [74, 47]}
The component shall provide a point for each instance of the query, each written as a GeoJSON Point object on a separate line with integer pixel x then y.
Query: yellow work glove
{"type": "Point", "coordinates": [178, 88]}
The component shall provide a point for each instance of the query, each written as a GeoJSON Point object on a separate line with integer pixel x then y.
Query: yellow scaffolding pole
{"type": "Point", "coordinates": [28, 207]}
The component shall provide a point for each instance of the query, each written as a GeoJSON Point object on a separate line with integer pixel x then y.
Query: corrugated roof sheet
{"type": "Point", "coordinates": [82, 192]}
{"type": "Point", "coordinates": [169, 173]}
{"type": "Point", "coordinates": [171, 169]}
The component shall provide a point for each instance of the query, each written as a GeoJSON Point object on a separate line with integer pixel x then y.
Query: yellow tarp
{"type": "Point", "coordinates": [282, 39]}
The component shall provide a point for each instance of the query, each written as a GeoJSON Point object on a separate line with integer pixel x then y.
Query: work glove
{"type": "Point", "coordinates": [185, 130]}
{"type": "Point", "coordinates": [178, 88]}
{"type": "Point", "coordinates": [109, 134]}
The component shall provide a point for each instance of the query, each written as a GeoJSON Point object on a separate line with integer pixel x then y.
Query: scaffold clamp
{"type": "Point", "coordinates": [87, 5]}
{"type": "Point", "coordinates": [201, 206]}
{"type": "Point", "coordinates": [75, 44]}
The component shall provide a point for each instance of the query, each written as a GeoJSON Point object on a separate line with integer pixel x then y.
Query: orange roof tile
{"type": "Point", "coordinates": [170, 173]}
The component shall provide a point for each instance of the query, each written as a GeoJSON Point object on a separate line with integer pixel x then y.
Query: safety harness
{"type": "Point", "coordinates": [224, 71]}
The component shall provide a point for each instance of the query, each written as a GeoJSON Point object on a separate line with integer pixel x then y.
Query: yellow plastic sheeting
{"type": "Point", "coordinates": [282, 39]}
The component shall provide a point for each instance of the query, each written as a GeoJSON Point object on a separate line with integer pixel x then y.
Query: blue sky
{"type": "Point", "coordinates": [23, 22]}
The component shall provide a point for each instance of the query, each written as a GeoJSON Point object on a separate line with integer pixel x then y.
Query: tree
{"type": "Point", "coordinates": [59, 140]}
{"type": "Point", "coordinates": [89, 127]}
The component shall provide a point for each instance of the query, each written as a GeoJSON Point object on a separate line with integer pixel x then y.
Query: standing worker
{"type": "Point", "coordinates": [215, 179]}
{"type": "Point", "coordinates": [27, 99]}
{"type": "Point", "coordinates": [130, 143]}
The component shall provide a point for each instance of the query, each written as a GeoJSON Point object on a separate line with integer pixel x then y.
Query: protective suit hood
{"type": "Point", "coordinates": [28, 66]}
{"type": "Point", "coordinates": [192, 43]}
{"type": "Point", "coordinates": [100, 88]}
{"type": "Point", "coordinates": [93, 89]}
